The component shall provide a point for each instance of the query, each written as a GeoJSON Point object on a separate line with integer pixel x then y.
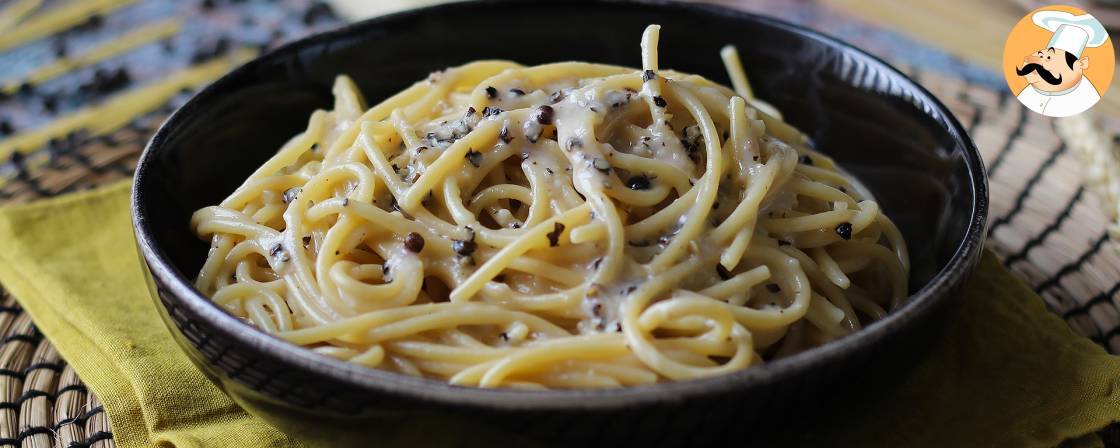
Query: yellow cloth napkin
{"type": "Point", "coordinates": [1006, 373]}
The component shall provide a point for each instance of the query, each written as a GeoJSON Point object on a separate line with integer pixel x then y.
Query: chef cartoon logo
{"type": "Point", "coordinates": [1058, 61]}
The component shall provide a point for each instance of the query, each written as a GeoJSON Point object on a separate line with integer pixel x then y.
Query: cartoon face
{"type": "Point", "coordinates": [1052, 69]}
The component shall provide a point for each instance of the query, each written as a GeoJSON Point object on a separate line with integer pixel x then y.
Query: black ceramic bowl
{"type": "Point", "coordinates": [903, 143]}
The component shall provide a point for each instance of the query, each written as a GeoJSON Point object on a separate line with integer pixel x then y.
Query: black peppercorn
{"type": "Point", "coordinates": [276, 250]}
{"type": "Point", "coordinates": [464, 248]}
{"type": "Point", "coordinates": [474, 157]}
{"type": "Point", "coordinates": [554, 235]}
{"type": "Point", "coordinates": [414, 242]}
{"type": "Point", "coordinates": [490, 111]}
{"type": "Point", "coordinates": [544, 114]}
{"type": "Point", "coordinates": [639, 182]}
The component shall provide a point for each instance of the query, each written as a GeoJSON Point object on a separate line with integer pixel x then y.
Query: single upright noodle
{"type": "Point", "coordinates": [567, 225]}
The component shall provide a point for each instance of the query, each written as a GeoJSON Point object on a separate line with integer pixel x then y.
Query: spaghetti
{"type": "Point", "coordinates": [568, 225]}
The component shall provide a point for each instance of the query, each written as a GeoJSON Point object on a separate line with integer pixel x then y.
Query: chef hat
{"type": "Point", "coordinates": [1071, 33]}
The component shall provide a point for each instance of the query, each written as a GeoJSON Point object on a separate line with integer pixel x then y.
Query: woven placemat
{"type": "Point", "coordinates": [43, 403]}
{"type": "Point", "coordinates": [1044, 223]}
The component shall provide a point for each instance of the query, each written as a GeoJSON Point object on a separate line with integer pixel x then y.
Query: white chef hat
{"type": "Point", "coordinates": [1071, 33]}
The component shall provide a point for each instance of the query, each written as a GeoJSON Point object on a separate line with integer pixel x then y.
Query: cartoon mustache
{"type": "Point", "coordinates": [1042, 72]}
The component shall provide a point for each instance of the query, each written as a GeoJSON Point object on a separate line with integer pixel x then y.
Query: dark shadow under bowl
{"type": "Point", "coordinates": [899, 140]}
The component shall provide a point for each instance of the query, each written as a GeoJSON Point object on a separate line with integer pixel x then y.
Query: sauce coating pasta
{"type": "Point", "coordinates": [567, 225]}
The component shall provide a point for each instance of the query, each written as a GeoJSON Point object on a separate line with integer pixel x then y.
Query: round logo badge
{"type": "Point", "coordinates": [1058, 61]}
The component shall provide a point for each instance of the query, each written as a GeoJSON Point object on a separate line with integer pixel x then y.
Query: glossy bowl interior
{"type": "Point", "coordinates": [892, 134]}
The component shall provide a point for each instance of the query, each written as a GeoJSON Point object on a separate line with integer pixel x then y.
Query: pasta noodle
{"type": "Point", "coordinates": [567, 225]}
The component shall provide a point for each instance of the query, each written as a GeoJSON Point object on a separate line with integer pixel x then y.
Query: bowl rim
{"type": "Point", "coordinates": [392, 384]}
